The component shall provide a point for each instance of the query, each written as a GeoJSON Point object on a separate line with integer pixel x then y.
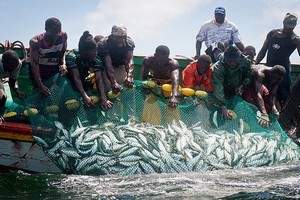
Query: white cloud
{"type": "Point", "coordinates": [141, 17]}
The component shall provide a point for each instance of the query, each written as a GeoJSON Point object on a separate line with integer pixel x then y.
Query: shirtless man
{"type": "Point", "coordinates": [163, 69]}
{"type": "Point", "coordinates": [262, 91]}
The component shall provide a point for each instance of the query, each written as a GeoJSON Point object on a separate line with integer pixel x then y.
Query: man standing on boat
{"type": "Point", "coordinates": [116, 53]}
{"type": "Point", "coordinates": [47, 53]}
{"type": "Point", "coordinates": [280, 44]}
{"type": "Point", "coordinates": [10, 66]}
{"type": "Point", "coordinates": [230, 76]}
{"type": "Point", "coordinates": [217, 30]}
{"type": "Point", "coordinates": [82, 61]}
{"type": "Point", "coordinates": [163, 70]}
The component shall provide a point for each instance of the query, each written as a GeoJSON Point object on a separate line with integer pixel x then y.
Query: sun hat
{"type": "Point", "coordinates": [119, 30]}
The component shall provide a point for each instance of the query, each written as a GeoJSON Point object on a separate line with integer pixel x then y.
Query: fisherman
{"type": "Point", "coordinates": [47, 53]}
{"type": "Point", "coordinates": [116, 53]}
{"type": "Point", "coordinates": [289, 118]}
{"type": "Point", "coordinates": [280, 44]}
{"type": "Point", "coordinates": [82, 61]}
{"type": "Point", "coordinates": [217, 30]}
{"type": "Point", "coordinates": [230, 76]}
{"type": "Point", "coordinates": [163, 70]}
{"type": "Point", "coordinates": [250, 51]}
{"type": "Point", "coordinates": [97, 38]}
{"type": "Point", "coordinates": [197, 74]}
{"type": "Point", "coordinates": [10, 66]}
{"type": "Point", "coordinates": [257, 92]}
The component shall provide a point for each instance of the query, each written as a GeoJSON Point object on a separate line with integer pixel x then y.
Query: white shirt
{"type": "Point", "coordinates": [211, 32]}
{"type": "Point", "coordinates": [5, 74]}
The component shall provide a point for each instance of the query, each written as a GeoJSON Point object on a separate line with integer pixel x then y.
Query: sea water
{"type": "Point", "coordinates": [273, 182]}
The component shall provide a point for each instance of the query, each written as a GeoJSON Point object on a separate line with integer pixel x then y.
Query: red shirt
{"type": "Point", "coordinates": [191, 78]}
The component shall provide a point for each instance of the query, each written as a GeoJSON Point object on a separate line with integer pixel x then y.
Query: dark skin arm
{"type": "Point", "coordinates": [259, 78]}
{"type": "Point", "coordinates": [198, 49]}
{"type": "Point", "coordinates": [34, 55]}
{"type": "Point", "coordinates": [116, 87]}
{"type": "Point", "coordinates": [145, 70]}
{"type": "Point", "coordinates": [76, 78]}
{"type": "Point", "coordinates": [173, 102]}
{"type": "Point", "coordinates": [129, 67]}
{"type": "Point", "coordinates": [63, 68]}
{"type": "Point", "coordinates": [261, 54]}
{"type": "Point", "coordinates": [297, 42]}
{"type": "Point", "coordinates": [105, 104]}
{"type": "Point", "coordinates": [13, 84]}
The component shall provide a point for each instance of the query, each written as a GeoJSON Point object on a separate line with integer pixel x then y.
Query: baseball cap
{"type": "Point", "coordinates": [290, 20]}
{"type": "Point", "coordinates": [220, 10]}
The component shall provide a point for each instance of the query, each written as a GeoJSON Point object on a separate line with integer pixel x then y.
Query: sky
{"type": "Point", "coordinates": [149, 23]}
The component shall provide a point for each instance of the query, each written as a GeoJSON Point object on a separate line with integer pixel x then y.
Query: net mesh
{"type": "Point", "coordinates": [141, 134]}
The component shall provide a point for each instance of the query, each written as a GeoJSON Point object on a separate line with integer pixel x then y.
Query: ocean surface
{"type": "Point", "coordinates": [275, 182]}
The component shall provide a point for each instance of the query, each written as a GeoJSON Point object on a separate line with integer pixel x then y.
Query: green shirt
{"type": "Point", "coordinates": [225, 80]}
{"type": "Point", "coordinates": [73, 60]}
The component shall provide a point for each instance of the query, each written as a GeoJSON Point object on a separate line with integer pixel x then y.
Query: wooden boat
{"type": "Point", "coordinates": [18, 149]}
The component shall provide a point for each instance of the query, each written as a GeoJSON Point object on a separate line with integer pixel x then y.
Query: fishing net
{"type": "Point", "coordinates": [142, 135]}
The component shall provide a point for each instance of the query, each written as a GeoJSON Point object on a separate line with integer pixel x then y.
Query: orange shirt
{"type": "Point", "coordinates": [191, 78]}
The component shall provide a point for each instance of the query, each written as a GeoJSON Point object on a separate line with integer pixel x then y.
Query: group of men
{"type": "Point", "coordinates": [266, 86]}
{"type": "Point", "coordinates": [226, 67]}
{"type": "Point", "coordinates": [224, 70]}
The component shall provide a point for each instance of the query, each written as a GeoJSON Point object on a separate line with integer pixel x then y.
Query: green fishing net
{"type": "Point", "coordinates": [142, 135]}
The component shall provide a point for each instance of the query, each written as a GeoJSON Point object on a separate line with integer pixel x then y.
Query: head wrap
{"type": "Point", "coordinates": [87, 42]}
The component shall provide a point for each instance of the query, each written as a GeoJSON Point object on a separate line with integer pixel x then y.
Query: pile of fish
{"type": "Point", "coordinates": [142, 148]}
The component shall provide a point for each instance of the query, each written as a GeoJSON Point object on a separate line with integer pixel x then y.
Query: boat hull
{"type": "Point", "coordinates": [19, 151]}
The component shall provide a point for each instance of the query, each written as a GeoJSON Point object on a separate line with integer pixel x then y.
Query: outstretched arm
{"type": "Point", "coordinates": [105, 104]}
{"type": "Point", "coordinates": [175, 83]}
{"type": "Point", "coordinates": [145, 69]}
{"type": "Point", "coordinates": [261, 54]}
{"type": "Point", "coordinates": [198, 49]}
{"type": "Point", "coordinates": [263, 119]}
{"type": "Point", "coordinates": [63, 68]}
{"type": "Point", "coordinates": [76, 78]}
{"type": "Point", "coordinates": [259, 93]}
{"type": "Point", "coordinates": [129, 67]}
{"type": "Point", "coordinates": [116, 87]}
{"type": "Point", "coordinates": [34, 55]}
{"type": "Point", "coordinates": [297, 42]}
{"type": "Point", "coordinates": [13, 84]}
